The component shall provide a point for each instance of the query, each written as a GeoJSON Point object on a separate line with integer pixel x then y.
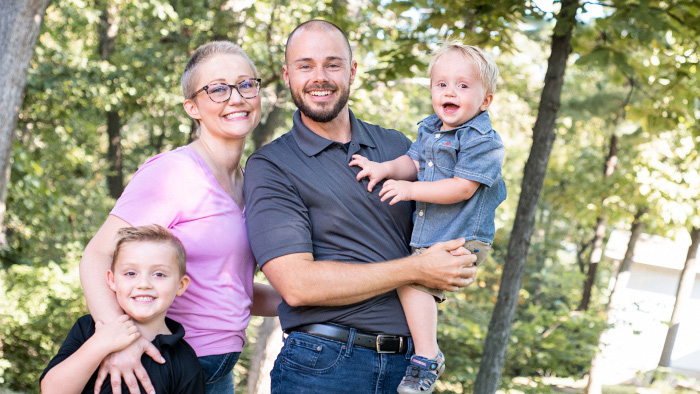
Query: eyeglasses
{"type": "Point", "coordinates": [221, 92]}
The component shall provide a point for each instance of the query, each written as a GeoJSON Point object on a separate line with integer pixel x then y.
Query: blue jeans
{"type": "Point", "coordinates": [311, 364]}
{"type": "Point", "coordinates": [219, 370]}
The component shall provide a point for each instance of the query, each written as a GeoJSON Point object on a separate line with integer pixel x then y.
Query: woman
{"type": "Point", "coordinates": [197, 192]}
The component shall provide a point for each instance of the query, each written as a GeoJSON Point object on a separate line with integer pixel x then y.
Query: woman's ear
{"type": "Point", "coordinates": [191, 108]}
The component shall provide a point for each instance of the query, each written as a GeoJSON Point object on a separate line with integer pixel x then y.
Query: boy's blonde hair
{"type": "Point", "coordinates": [488, 71]}
{"type": "Point", "coordinates": [150, 233]}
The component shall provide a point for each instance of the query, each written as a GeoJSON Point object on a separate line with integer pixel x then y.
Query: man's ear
{"type": "Point", "coordinates": [353, 71]}
{"type": "Point", "coordinates": [110, 280]}
{"type": "Point", "coordinates": [285, 75]}
{"type": "Point", "coordinates": [184, 282]}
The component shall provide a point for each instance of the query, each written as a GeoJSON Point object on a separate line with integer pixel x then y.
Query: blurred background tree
{"type": "Point", "coordinates": [102, 96]}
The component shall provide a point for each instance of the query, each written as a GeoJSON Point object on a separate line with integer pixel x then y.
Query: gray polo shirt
{"type": "Point", "coordinates": [302, 196]}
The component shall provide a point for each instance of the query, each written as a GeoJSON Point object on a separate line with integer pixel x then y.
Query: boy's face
{"type": "Point", "coordinates": [458, 94]}
{"type": "Point", "coordinates": [146, 279]}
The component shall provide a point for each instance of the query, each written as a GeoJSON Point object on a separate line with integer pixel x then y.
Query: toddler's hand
{"type": "Point", "coordinates": [117, 334]}
{"type": "Point", "coordinates": [400, 190]}
{"type": "Point", "coordinates": [371, 169]}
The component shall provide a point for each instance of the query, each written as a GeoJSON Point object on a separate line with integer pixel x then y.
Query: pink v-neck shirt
{"type": "Point", "coordinates": [177, 190]}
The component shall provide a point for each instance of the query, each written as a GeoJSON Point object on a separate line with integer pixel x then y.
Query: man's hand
{"type": "Point", "coordinates": [126, 364]}
{"type": "Point", "coordinates": [117, 334]}
{"type": "Point", "coordinates": [447, 266]}
{"type": "Point", "coordinates": [399, 190]}
{"type": "Point", "coordinates": [371, 169]}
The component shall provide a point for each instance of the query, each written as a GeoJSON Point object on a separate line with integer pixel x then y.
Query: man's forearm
{"type": "Point", "coordinates": [304, 282]}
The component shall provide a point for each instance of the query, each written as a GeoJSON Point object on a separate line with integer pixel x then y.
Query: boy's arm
{"type": "Point", "coordinates": [444, 191]}
{"type": "Point", "coordinates": [125, 364]}
{"type": "Point", "coordinates": [403, 168]}
{"type": "Point", "coordinates": [72, 374]}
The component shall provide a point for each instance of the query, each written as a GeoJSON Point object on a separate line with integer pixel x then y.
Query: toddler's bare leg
{"type": "Point", "coordinates": [421, 314]}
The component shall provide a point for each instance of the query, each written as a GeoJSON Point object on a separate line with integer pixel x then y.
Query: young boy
{"type": "Point", "coordinates": [457, 159]}
{"type": "Point", "coordinates": [148, 271]}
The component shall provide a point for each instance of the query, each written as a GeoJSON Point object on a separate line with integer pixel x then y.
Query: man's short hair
{"type": "Point", "coordinates": [150, 233]}
{"type": "Point", "coordinates": [317, 24]}
{"type": "Point", "coordinates": [488, 70]}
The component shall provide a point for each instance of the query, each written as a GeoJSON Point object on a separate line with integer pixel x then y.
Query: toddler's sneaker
{"type": "Point", "coordinates": [422, 374]}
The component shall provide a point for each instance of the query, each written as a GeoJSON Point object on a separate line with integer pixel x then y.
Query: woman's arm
{"type": "Point", "coordinates": [124, 364]}
{"type": "Point", "coordinates": [265, 300]}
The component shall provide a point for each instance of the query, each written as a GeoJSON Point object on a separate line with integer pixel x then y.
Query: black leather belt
{"type": "Point", "coordinates": [381, 343]}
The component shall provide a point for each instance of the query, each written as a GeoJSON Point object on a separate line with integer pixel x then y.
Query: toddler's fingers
{"type": "Point", "coordinates": [372, 183]}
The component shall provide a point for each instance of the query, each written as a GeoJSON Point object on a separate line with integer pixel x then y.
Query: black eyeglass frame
{"type": "Point", "coordinates": [231, 87]}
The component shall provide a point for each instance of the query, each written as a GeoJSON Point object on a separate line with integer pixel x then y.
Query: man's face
{"type": "Point", "coordinates": [319, 72]}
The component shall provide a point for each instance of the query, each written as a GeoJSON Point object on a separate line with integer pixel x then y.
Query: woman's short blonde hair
{"type": "Point", "coordinates": [203, 53]}
{"type": "Point", "coordinates": [488, 71]}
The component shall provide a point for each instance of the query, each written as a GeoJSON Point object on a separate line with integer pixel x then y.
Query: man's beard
{"type": "Point", "coordinates": [326, 113]}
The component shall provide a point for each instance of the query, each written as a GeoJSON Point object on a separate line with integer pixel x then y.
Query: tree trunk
{"type": "Point", "coordinates": [595, 257]}
{"type": "Point", "coordinates": [594, 385]}
{"type": "Point", "coordinates": [267, 347]}
{"type": "Point", "coordinates": [20, 25]}
{"type": "Point", "coordinates": [493, 358]}
{"type": "Point", "coordinates": [685, 287]}
{"type": "Point", "coordinates": [108, 33]}
{"type": "Point", "coordinates": [608, 169]}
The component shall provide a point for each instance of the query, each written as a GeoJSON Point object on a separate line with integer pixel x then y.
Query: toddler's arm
{"type": "Point", "coordinates": [444, 191]}
{"type": "Point", "coordinates": [72, 374]}
{"type": "Point", "coordinates": [403, 168]}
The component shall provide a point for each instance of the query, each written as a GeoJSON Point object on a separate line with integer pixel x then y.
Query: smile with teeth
{"type": "Point", "coordinates": [321, 93]}
{"type": "Point", "coordinates": [236, 115]}
{"type": "Point", "coordinates": [144, 298]}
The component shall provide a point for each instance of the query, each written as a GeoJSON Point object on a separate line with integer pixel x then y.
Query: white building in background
{"type": "Point", "coordinates": [644, 308]}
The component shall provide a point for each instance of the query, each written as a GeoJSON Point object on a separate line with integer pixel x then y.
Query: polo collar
{"type": "Point", "coordinates": [312, 144]}
{"type": "Point", "coordinates": [480, 123]}
{"type": "Point", "coordinates": [178, 332]}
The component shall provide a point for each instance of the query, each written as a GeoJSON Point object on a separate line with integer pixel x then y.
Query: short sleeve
{"type": "Point", "coordinates": [416, 148]}
{"type": "Point", "coordinates": [78, 335]}
{"type": "Point", "coordinates": [196, 385]}
{"type": "Point", "coordinates": [277, 220]}
{"type": "Point", "coordinates": [480, 159]}
{"type": "Point", "coordinates": [155, 193]}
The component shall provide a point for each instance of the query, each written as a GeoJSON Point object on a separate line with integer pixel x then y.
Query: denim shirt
{"type": "Point", "coordinates": [473, 151]}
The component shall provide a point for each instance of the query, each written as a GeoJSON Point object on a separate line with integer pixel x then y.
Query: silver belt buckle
{"type": "Point", "coordinates": [381, 338]}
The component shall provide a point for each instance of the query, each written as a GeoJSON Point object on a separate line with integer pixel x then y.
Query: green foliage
{"type": "Point", "coordinates": [57, 196]}
{"type": "Point", "coordinates": [39, 305]}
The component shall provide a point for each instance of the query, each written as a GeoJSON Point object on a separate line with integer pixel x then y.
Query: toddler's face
{"type": "Point", "coordinates": [146, 279]}
{"type": "Point", "coordinates": [458, 94]}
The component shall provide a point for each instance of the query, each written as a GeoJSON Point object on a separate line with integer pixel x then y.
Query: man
{"type": "Point", "coordinates": [333, 250]}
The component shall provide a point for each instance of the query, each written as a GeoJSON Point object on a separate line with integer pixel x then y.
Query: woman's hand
{"type": "Point", "coordinates": [126, 364]}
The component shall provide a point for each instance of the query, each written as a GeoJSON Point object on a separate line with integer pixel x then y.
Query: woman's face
{"type": "Point", "coordinates": [234, 118]}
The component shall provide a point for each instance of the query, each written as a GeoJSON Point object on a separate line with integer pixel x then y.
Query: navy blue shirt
{"type": "Point", "coordinates": [303, 197]}
{"type": "Point", "coordinates": [181, 373]}
{"type": "Point", "coordinates": [472, 151]}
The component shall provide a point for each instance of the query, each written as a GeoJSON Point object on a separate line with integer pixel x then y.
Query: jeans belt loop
{"type": "Point", "coordinates": [351, 343]}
